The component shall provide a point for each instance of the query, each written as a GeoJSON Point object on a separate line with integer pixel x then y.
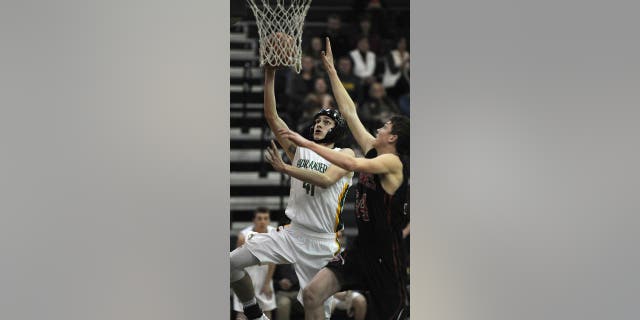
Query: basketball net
{"type": "Point", "coordinates": [274, 17]}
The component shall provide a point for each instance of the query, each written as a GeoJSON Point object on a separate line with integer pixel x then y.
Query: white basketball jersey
{"type": "Point", "coordinates": [316, 208]}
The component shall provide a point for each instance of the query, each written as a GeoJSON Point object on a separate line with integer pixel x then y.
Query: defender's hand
{"type": "Point", "coordinates": [327, 57]}
{"type": "Point", "coordinates": [294, 137]}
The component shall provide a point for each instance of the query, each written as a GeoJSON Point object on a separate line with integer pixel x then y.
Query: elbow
{"type": "Point", "coordinates": [349, 112]}
{"type": "Point", "coordinates": [325, 183]}
{"type": "Point", "coordinates": [270, 117]}
{"type": "Point", "coordinates": [351, 165]}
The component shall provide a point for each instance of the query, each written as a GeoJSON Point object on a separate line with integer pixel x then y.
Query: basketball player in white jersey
{"type": "Point", "coordinates": [318, 191]}
{"type": "Point", "coordinates": [261, 275]}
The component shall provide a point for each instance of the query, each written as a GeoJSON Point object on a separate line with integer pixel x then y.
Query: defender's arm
{"type": "Point", "coordinates": [346, 106]}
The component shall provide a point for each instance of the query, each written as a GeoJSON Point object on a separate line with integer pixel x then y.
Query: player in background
{"type": "Point", "coordinates": [261, 275]}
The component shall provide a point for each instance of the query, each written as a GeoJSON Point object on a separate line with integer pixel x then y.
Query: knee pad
{"type": "Point", "coordinates": [241, 258]}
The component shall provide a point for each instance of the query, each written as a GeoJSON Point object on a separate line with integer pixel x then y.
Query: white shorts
{"type": "Point", "coordinates": [306, 250]}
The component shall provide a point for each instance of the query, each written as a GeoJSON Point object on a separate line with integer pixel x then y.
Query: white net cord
{"type": "Point", "coordinates": [280, 31]}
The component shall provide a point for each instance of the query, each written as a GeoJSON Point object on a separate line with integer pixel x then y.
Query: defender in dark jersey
{"type": "Point", "coordinates": [375, 261]}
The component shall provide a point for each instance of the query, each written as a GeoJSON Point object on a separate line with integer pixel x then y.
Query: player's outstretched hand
{"type": "Point", "coordinates": [273, 157]}
{"type": "Point", "coordinates": [294, 137]}
{"type": "Point", "coordinates": [327, 56]}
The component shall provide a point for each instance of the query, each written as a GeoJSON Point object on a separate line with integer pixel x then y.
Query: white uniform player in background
{"type": "Point", "coordinates": [318, 191]}
{"type": "Point", "coordinates": [261, 275]}
{"type": "Point", "coordinates": [353, 302]}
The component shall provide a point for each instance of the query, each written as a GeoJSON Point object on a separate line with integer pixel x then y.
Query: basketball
{"type": "Point", "coordinates": [282, 47]}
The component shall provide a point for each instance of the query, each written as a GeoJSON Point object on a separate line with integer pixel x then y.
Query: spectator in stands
{"type": "Point", "coordinates": [313, 103]}
{"type": "Point", "coordinates": [314, 50]}
{"type": "Point", "coordinates": [365, 30]}
{"type": "Point", "coordinates": [396, 70]}
{"type": "Point", "coordinates": [337, 34]}
{"type": "Point", "coordinates": [364, 61]}
{"type": "Point", "coordinates": [378, 16]}
{"type": "Point", "coordinates": [299, 85]}
{"type": "Point", "coordinates": [286, 286]}
{"type": "Point", "coordinates": [320, 86]}
{"type": "Point", "coordinates": [320, 90]}
{"type": "Point", "coordinates": [350, 82]}
{"type": "Point", "coordinates": [368, 4]}
{"type": "Point", "coordinates": [261, 275]}
{"type": "Point", "coordinates": [378, 108]}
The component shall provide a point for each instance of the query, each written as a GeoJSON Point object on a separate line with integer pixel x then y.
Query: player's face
{"type": "Point", "coordinates": [384, 133]}
{"type": "Point", "coordinates": [322, 126]}
{"type": "Point", "coordinates": [261, 220]}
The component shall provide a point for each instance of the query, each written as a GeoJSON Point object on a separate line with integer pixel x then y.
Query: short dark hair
{"type": "Point", "coordinates": [400, 127]}
{"type": "Point", "coordinates": [260, 210]}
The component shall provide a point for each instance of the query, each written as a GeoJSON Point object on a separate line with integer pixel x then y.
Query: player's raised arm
{"type": "Point", "coordinates": [324, 180]}
{"type": "Point", "coordinates": [382, 164]}
{"type": "Point", "coordinates": [346, 106]}
{"type": "Point", "coordinates": [271, 114]}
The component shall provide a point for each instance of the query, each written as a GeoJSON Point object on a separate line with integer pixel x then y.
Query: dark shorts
{"type": "Point", "coordinates": [387, 295]}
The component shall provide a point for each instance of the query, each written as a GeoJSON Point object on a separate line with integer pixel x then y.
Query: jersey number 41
{"type": "Point", "coordinates": [311, 189]}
